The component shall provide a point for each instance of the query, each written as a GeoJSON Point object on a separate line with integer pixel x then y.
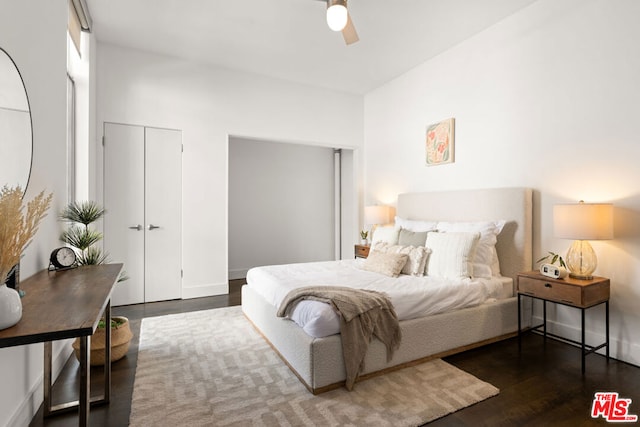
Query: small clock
{"type": "Point", "coordinates": [551, 270]}
{"type": "Point", "coordinates": [63, 258]}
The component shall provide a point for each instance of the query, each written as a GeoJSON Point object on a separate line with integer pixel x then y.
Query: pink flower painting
{"type": "Point", "coordinates": [439, 143]}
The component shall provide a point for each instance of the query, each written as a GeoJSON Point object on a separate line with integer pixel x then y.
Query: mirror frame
{"type": "Point", "coordinates": [26, 94]}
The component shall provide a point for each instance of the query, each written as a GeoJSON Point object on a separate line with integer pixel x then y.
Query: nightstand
{"type": "Point", "coordinates": [580, 294]}
{"type": "Point", "coordinates": [361, 251]}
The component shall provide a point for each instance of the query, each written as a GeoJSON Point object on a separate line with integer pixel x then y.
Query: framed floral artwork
{"type": "Point", "coordinates": [440, 142]}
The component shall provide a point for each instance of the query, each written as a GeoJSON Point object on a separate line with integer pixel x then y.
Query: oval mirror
{"type": "Point", "coordinates": [16, 139]}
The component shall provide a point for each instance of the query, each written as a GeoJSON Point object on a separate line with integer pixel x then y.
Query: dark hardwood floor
{"type": "Point", "coordinates": [116, 413]}
{"type": "Point", "coordinates": [540, 385]}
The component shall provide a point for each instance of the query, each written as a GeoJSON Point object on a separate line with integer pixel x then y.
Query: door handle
{"type": "Point", "coordinates": [153, 227]}
{"type": "Point", "coordinates": [136, 227]}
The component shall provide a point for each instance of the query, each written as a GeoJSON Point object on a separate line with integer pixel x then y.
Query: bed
{"type": "Point", "coordinates": [317, 361]}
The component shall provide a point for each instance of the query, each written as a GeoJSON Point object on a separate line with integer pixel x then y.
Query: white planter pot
{"type": "Point", "coordinates": [10, 307]}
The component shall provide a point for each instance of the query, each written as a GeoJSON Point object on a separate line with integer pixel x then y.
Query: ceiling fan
{"type": "Point", "coordinates": [338, 19]}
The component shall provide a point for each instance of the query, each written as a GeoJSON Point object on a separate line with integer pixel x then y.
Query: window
{"type": "Point", "coordinates": [71, 139]}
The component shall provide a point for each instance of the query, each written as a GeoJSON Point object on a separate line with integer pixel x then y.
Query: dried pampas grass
{"type": "Point", "coordinates": [16, 229]}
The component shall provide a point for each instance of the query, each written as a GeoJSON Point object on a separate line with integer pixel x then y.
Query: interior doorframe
{"type": "Point", "coordinates": [346, 216]}
{"type": "Point", "coordinates": [337, 201]}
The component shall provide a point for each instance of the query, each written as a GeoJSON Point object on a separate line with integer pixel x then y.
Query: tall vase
{"type": "Point", "coordinates": [10, 307]}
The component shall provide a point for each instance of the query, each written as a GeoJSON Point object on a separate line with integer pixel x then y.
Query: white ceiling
{"type": "Point", "coordinates": [289, 39]}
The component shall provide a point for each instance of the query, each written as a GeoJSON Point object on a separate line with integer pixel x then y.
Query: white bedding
{"type": "Point", "coordinates": [411, 296]}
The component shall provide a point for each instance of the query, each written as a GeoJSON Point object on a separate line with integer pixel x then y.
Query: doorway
{"type": "Point", "coordinates": [284, 203]}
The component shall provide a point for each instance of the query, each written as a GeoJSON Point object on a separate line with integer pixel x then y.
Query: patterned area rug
{"type": "Point", "coordinates": [211, 368]}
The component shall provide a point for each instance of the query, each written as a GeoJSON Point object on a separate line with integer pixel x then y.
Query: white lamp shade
{"type": "Point", "coordinates": [378, 214]}
{"type": "Point", "coordinates": [337, 15]}
{"type": "Point", "coordinates": [583, 221]}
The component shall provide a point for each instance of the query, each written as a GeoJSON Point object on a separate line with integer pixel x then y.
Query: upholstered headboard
{"type": "Point", "coordinates": [515, 205]}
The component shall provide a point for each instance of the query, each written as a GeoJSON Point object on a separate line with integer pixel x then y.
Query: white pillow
{"type": "Point", "coordinates": [388, 234]}
{"type": "Point", "coordinates": [485, 261]}
{"type": "Point", "coordinates": [415, 225]}
{"type": "Point", "coordinates": [451, 254]}
{"type": "Point", "coordinates": [495, 263]}
{"type": "Point", "coordinates": [416, 262]}
{"type": "Point", "coordinates": [385, 263]}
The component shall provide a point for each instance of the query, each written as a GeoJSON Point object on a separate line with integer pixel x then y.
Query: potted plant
{"type": "Point", "coordinates": [120, 339]}
{"type": "Point", "coordinates": [79, 235]}
{"type": "Point", "coordinates": [83, 238]}
{"type": "Point", "coordinates": [552, 258]}
{"type": "Point", "coordinates": [363, 237]}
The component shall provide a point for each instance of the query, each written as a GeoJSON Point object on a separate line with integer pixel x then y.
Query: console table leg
{"type": "Point", "coordinates": [107, 353]}
{"type": "Point", "coordinates": [47, 378]}
{"type": "Point", "coordinates": [84, 403]}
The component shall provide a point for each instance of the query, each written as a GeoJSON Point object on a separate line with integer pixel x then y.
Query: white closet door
{"type": "Point", "coordinates": [143, 199]}
{"type": "Point", "coordinates": [124, 203]}
{"type": "Point", "coordinates": [163, 204]}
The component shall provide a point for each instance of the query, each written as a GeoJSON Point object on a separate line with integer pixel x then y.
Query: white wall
{"type": "Point", "coordinates": [208, 104]}
{"type": "Point", "coordinates": [281, 204]}
{"type": "Point", "coordinates": [547, 99]}
{"type": "Point", "coordinates": [34, 34]}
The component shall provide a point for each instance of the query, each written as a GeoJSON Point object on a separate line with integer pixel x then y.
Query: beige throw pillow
{"type": "Point", "coordinates": [385, 263]}
{"type": "Point", "coordinates": [417, 256]}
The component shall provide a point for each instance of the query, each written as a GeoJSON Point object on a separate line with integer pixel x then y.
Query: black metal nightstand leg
{"type": "Point", "coordinates": [607, 327]}
{"type": "Point", "coordinates": [544, 315]}
{"type": "Point", "coordinates": [582, 333]}
{"type": "Point", "coordinates": [519, 325]}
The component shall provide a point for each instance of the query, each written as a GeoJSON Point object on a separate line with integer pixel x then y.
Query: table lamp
{"type": "Point", "coordinates": [377, 215]}
{"type": "Point", "coordinates": [582, 222]}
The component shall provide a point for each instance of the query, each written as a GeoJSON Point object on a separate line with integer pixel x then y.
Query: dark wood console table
{"type": "Point", "coordinates": [67, 304]}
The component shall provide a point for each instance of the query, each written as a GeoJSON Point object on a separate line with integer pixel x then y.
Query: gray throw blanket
{"type": "Point", "coordinates": [362, 314]}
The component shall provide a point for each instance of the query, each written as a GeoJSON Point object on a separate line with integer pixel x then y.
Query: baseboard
{"type": "Point", "coordinates": [238, 274]}
{"type": "Point", "coordinates": [33, 400]}
{"type": "Point", "coordinates": [618, 349]}
{"type": "Point", "coordinates": [205, 290]}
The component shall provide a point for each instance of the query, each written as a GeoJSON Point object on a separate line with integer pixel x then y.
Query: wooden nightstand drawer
{"type": "Point", "coordinates": [551, 291]}
{"type": "Point", "coordinates": [361, 251]}
{"type": "Point", "coordinates": [575, 292]}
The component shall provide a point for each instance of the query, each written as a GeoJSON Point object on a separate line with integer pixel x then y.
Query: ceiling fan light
{"type": "Point", "coordinates": [337, 15]}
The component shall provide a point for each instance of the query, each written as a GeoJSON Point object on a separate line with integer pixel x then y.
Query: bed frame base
{"type": "Point", "coordinates": [318, 364]}
{"type": "Point", "coordinates": [414, 362]}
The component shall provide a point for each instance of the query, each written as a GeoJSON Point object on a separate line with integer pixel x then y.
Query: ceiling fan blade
{"type": "Point", "coordinates": [349, 32]}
